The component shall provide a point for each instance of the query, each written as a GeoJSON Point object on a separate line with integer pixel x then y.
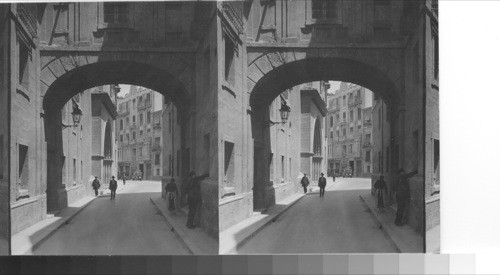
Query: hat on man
{"type": "Point", "coordinates": [322, 174]}
{"type": "Point", "coordinates": [112, 177]}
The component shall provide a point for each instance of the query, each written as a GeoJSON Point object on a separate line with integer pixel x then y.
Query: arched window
{"type": "Point", "coordinates": [317, 138]}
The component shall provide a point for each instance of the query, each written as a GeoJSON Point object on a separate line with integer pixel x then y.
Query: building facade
{"type": "Point", "coordinates": [137, 134]}
{"type": "Point", "coordinates": [222, 64]}
{"type": "Point", "coordinates": [349, 131]}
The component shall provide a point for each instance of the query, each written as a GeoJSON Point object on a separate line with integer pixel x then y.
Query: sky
{"type": "Point", "coordinates": [124, 89]}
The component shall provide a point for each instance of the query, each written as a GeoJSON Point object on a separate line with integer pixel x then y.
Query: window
{"type": "Point", "coordinates": [149, 117]}
{"type": "Point", "coordinates": [74, 170]}
{"type": "Point", "coordinates": [435, 50]}
{"type": "Point", "coordinates": [128, 121]}
{"type": "Point", "coordinates": [24, 62]}
{"type": "Point", "coordinates": [141, 133]}
{"type": "Point", "coordinates": [338, 117]}
{"type": "Point", "coordinates": [351, 116]}
{"type": "Point", "coordinates": [344, 149]}
{"type": "Point", "coordinates": [115, 13]}
{"type": "Point", "coordinates": [350, 148]}
{"type": "Point", "coordinates": [331, 121]}
{"type": "Point", "coordinates": [368, 137]}
{"type": "Point", "coordinates": [344, 131]}
{"type": "Point", "coordinates": [157, 159]}
{"type": "Point", "coordinates": [128, 137]}
{"type": "Point", "coordinates": [324, 9]}
{"type": "Point", "coordinates": [359, 113]}
{"type": "Point", "coordinates": [229, 162]}
{"type": "Point", "coordinates": [23, 168]}
{"type": "Point", "coordinates": [351, 130]}
{"type": "Point", "coordinates": [157, 171]}
{"type": "Point", "coordinates": [121, 138]}
{"type": "Point", "coordinates": [368, 169]}
{"type": "Point", "coordinates": [141, 119]}
{"type": "Point", "coordinates": [343, 101]}
{"type": "Point", "coordinates": [121, 124]}
{"type": "Point", "coordinates": [229, 53]}
{"type": "Point", "coordinates": [331, 134]}
{"type": "Point", "coordinates": [133, 105]}
{"type": "Point", "coordinates": [282, 167]}
{"type": "Point", "coordinates": [338, 133]}
{"type": "Point", "coordinates": [133, 135]}
{"type": "Point", "coordinates": [157, 141]}
{"type": "Point", "coordinates": [133, 120]}
{"type": "Point", "coordinates": [343, 116]}
{"type": "Point", "coordinates": [140, 151]}
{"type": "Point", "coordinates": [382, 15]}
{"type": "Point", "coordinates": [367, 156]}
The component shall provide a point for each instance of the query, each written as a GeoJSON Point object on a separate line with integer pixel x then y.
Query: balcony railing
{"type": "Point", "coordinates": [144, 104]}
{"type": "Point", "coordinates": [156, 147]}
{"type": "Point", "coordinates": [354, 101]}
{"type": "Point", "coordinates": [367, 145]}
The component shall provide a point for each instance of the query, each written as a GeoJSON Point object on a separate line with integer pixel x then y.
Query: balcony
{"type": "Point", "coordinates": [354, 101]}
{"type": "Point", "coordinates": [367, 145]}
{"type": "Point", "coordinates": [156, 148]}
{"type": "Point", "coordinates": [157, 126]}
{"type": "Point", "coordinates": [367, 122]}
{"type": "Point", "coordinates": [144, 104]}
{"type": "Point", "coordinates": [342, 121]}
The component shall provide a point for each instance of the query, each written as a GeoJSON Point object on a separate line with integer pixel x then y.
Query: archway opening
{"type": "Point", "coordinates": [329, 130]}
{"type": "Point", "coordinates": [107, 130]}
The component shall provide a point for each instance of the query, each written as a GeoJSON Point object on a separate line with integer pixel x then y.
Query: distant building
{"type": "Point", "coordinates": [138, 146]}
{"type": "Point", "coordinates": [349, 131]}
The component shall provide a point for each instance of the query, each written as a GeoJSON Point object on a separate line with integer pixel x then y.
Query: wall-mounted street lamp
{"type": "Point", "coordinates": [77, 116]}
{"type": "Point", "coordinates": [284, 113]}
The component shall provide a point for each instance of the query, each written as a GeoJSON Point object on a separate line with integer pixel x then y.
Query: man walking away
{"type": "Point", "coordinates": [333, 175]}
{"type": "Point", "coordinates": [402, 195]}
{"type": "Point", "coordinates": [96, 185]}
{"type": "Point", "coordinates": [123, 178]}
{"type": "Point", "coordinates": [322, 185]}
{"type": "Point", "coordinates": [112, 186]}
{"type": "Point", "coordinates": [194, 197]}
{"type": "Point", "coordinates": [304, 182]}
{"type": "Point", "coordinates": [380, 186]}
{"type": "Point", "coordinates": [172, 193]}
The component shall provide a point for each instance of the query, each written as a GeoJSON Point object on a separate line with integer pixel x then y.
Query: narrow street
{"type": "Point", "coordinates": [335, 223]}
{"type": "Point", "coordinates": [128, 225]}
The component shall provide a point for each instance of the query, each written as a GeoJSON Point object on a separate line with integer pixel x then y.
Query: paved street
{"type": "Point", "coordinates": [129, 225]}
{"type": "Point", "coordinates": [335, 223]}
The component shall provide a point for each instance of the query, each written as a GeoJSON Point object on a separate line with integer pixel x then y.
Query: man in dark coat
{"type": "Point", "coordinates": [96, 185]}
{"type": "Point", "coordinates": [402, 195]}
{"type": "Point", "coordinates": [304, 182]}
{"type": "Point", "coordinates": [112, 186]}
{"type": "Point", "coordinates": [380, 186]}
{"type": "Point", "coordinates": [322, 185]}
{"type": "Point", "coordinates": [194, 197]}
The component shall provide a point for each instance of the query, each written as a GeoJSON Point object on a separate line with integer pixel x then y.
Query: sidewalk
{"type": "Point", "coordinates": [196, 240]}
{"type": "Point", "coordinates": [405, 239]}
{"type": "Point", "coordinates": [25, 241]}
{"type": "Point", "coordinates": [28, 239]}
{"type": "Point", "coordinates": [235, 236]}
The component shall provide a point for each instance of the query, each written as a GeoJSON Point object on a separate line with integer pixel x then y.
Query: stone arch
{"type": "Point", "coordinates": [63, 78]}
{"type": "Point", "coordinates": [271, 73]}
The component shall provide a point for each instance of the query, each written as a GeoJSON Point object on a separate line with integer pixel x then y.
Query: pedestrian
{"type": "Point", "coordinates": [112, 186]}
{"type": "Point", "coordinates": [304, 182]}
{"type": "Point", "coordinates": [172, 194]}
{"type": "Point", "coordinates": [123, 178]}
{"type": "Point", "coordinates": [322, 185]}
{"type": "Point", "coordinates": [380, 186]}
{"type": "Point", "coordinates": [194, 197]}
{"type": "Point", "coordinates": [333, 175]}
{"type": "Point", "coordinates": [96, 185]}
{"type": "Point", "coordinates": [402, 195]}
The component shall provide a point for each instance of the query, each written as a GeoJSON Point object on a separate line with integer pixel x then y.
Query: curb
{"type": "Point", "coordinates": [380, 225]}
{"type": "Point", "coordinates": [63, 222]}
{"type": "Point", "coordinates": [176, 232]}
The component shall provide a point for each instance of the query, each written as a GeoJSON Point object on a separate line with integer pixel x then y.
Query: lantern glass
{"type": "Point", "coordinates": [77, 115]}
{"type": "Point", "coordinates": [284, 112]}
